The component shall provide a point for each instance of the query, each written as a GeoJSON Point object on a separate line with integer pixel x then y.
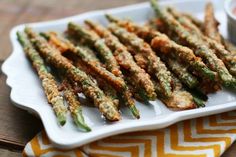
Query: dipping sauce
{"type": "Point", "coordinates": [234, 11]}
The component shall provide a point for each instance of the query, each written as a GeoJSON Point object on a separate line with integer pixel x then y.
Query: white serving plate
{"type": "Point", "coordinates": [27, 93]}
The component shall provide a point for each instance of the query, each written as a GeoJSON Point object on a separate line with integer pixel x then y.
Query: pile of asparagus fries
{"type": "Point", "coordinates": [174, 57]}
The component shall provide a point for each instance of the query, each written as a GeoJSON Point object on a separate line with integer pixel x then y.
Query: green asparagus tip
{"type": "Point", "coordinates": [27, 29]}
{"type": "Point", "coordinates": [111, 18]}
{"type": "Point", "coordinates": [79, 121]}
{"type": "Point", "coordinates": [153, 97]}
{"type": "Point", "coordinates": [20, 38]}
{"type": "Point", "coordinates": [156, 8]}
{"type": "Point", "coordinates": [143, 95]}
{"type": "Point", "coordinates": [230, 84]}
{"type": "Point", "coordinates": [192, 83]}
{"type": "Point", "coordinates": [89, 22]}
{"type": "Point", "coordinates": [197, 92]}
{"type": "Point", "coordinates": [211, 75]}
{"type": "Point", "coordinates": [154, 4]}
{"type": "Point", "coordinates": [79, 30]}
{"type": "Point", "coordinates": [135, 111]}
{"type": "Point", "coordinates": [45, 35]}
{"type": "Point", "coordinates": [199, 102]}
{"type": "Point", "coordinates": [61, 119]}
{"type": "Point", "coordinates": [167, 94]}
{"type": "Point", "coordinates": [233, 84]}
{"type": "Point", "coordinates": [71, 25]}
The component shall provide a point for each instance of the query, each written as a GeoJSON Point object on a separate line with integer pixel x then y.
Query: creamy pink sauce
{"type": "Point", "coordinates": [234, 11]}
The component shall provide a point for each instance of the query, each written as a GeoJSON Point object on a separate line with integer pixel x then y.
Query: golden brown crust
{"type": "Point", "coordinates": [90, 89]}
{"type": "Point", "coordinates": [180, 100]}
{"type": "Point", "coordinates": [125, 60]}
{"type": "Point", "coordinates": [211, 24]}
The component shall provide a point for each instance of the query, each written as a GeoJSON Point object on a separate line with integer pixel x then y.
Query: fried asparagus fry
{"type": "Point", "coordinates": [226, 56]}
{"type": "Point", "coordinates": [138, 92]}
{"type": "Point", "coordinates": [182, 73]}
{"type": "Point", "coordinates": [126, 61]}
{"type": "Point", "coordinates": [145, 57]}
{"type": "Point", "coordinates": [198, 101]}
{"type": "Point", "coordinates": [90, 88]}
{"type": "Point", "coordinates": [94, 40]}
{"type": "Point", "coordinates": [162, 43]}
{"type": "Point", "coordinates": [211, 24]}
{"type": "Point", "coordinates": [179, 100]}
{"type": "Point", "coordinates": [70, 93]}
{"type": "Point", "coordinates": [116, 82]}
{"type": "Point", "coordinates": [95, 65]}
{"type": "Point", "coordinates": [194, 20]}
{"type": "Point", "coordinates": [185, 22]}
{"type": "Point", "coordinates": [142, 31]}
{"type": "Point", "coordinates": [109, 91]}
{"type": "Point", "coordinates": [184, 54]}
{"type": "Point", "coordinates": [189, 80]}
{"type": "Point", "coordinates": [229, 46]}
{"type": "Point", "coordinates": [74, 105]}
{"type": "Point", "coordinates": [199, 46]}
{"type": "Point", "coordinates": [48, 81]}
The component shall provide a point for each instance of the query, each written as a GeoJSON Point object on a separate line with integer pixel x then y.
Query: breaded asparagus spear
{"type": "Point", "coordinates": [229, 46]}
{"type": "Point", "coordinates": [206, 85]}
{"type": "Point", "coordinates": [199, 46]}
{"type": "Point", "coordinates": [161, 42]}
{"type": "Point", "coordinates": [182, 73]}
{"type": "Point", "coordinates": [142, 31]}
{"type": "Point", "coordinates": [194, 20]}
{"type": "Point", "coordinates": [145, 57]}
{"type": "Point", "coordinates": [199, 102]}
{"type": "Point", "coordinates": [90, 88]}
{"type": "Point", "coordinates": [65, 50]}
{"type": "Point", "coordinates": [179, 100]}
{"type": "Point", "coordinates": [74, 105]}
{"type": "Point", "coordinates": [226, 56]}
{"type": "Point", "coordinates": [109, 91]}
{"type": "Point", "coordinates": [48, 81]}
{"type": "Point", "coordinates": [182, 53]}
{"type": "Point", "coordinates": [126, 61]}
{"type": "Point", "coordinates": [70, 94]}
{"type": "Point", "coordinates": [157, 24]}
{"type": "Point", "coordinates": [211, 24]}
{"type": "Point", "coordinates": [184, 21]}
{"type": "Point", "coordinates": [116, 82]}
{"type": "Point", "coordinates": [138, 92]}
{"type": "Point", "coordinates": [94, 40]}
{"type": "Point", "coordinates": [54, 40]}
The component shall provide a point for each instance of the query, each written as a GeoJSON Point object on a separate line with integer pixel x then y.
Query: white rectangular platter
{"type": "Point", "coordinates": [27, 93]}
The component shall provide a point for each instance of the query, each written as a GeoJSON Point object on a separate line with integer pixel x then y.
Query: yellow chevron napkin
{"type": "Point", "coordinates": [202, 137]}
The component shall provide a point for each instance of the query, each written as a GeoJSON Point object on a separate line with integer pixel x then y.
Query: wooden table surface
{"type": "Point", "coordinates": [17, 127]}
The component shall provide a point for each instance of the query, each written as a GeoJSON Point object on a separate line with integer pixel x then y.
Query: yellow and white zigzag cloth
{"type": "Point", "coordinates": [202, 137]}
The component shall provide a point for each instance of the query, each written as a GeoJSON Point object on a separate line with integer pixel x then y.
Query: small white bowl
{"type": "Point", "coordinates": [230, 5]}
